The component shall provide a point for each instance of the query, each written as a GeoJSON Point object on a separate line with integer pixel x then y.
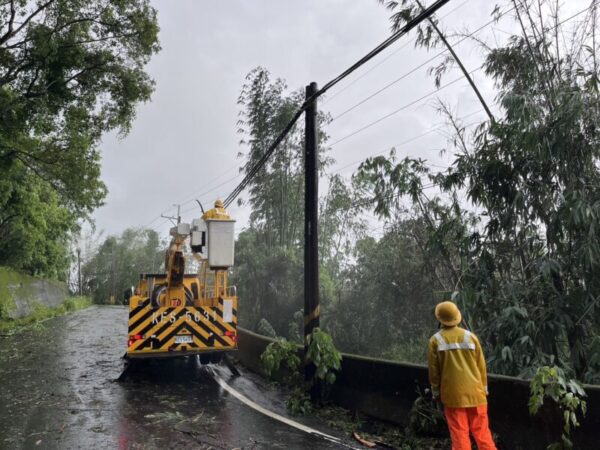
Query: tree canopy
{"type": "Point", "coordinates": [511, 233]}
{"type": "Point", "coordinates": [524, 268]}
{"type": "Point", "coordinates": [118, 262]}
{"type": "Point", "coordinates": [69, 71]}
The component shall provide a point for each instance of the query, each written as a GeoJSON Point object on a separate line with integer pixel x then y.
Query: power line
{"type": "Point", "coordinates": [327, 100]}
{"type": "Point", "coordinates": [409, 140]}
{"type": "Point", "coordinates": [402, 108]}
{"type": "Point", "coordinates": [157, 217]}
{"type": "Point", "coordinates": [422, 16]}
{"type": "Point", "coordinates": [156, 227]}
{"type": "Point", "coordinates": [261, 162]}
{"type": "Point", "coordinates": [229, 180]}
{"type": "Point", "coordinates": [200, 195]}
{"type": "Point", "coordinates": [154, 220]}
{"type": "Point", "coordinates": [426, 13]}
{"type": "Point", "coordinates": [367, 202]}
{"type": "Point", "coordinates": [424, 63]}
{"type": "Point", "coordinates": [329, 85]}
{"type": "Point", "coordinates": [217, 178]}
{"type": "Point", "coordinates": [447, 84]}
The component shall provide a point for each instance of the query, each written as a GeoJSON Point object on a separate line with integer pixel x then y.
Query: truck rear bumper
{"type": "Point", "coordinates": [184, 330]}
{"type": "Point", "coordinates": [175, 353]}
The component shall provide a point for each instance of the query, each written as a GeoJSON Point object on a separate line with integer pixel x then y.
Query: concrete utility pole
{"type": "Point", "coordinates": [311, 231]}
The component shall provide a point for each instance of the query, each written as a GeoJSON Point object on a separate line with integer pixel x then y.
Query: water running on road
{"type": "Point", "coordinates": [58, 393]}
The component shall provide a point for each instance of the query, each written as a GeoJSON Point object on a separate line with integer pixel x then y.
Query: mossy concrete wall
{"type": "Point", "coordinates": [20, 294]}
{"type": "Point", "coordinates": [387, 390]}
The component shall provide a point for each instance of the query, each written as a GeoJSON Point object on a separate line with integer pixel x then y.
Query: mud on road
{"type": "Point", "coordinates": [59, 392]}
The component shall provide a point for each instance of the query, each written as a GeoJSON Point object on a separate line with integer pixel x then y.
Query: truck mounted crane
{"type": "Point", "coordinates": [177, 314]}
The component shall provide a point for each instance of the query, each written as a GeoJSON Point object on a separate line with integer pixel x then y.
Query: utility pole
{"type": "Point", "coordinates": [173, 219]}
{"type": "Point", "coordinates": [311, 232]}
{"type": "Point", "coordinates": [178, 213]}
{"type": "Point", "coordinates": [113, 288]}
{"type": "Point", "coordinates": [79, 271]}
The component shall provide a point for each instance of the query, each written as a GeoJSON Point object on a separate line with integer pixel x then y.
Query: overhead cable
{"type": "Point", "coordinates": [421, 17]}
{"type": "Point", "coordinates": [411, 139]}
{"type": "Point", "coordinates": [328, 99]}
{"type": "Point", "coordinates": [426, 13]}
{"type": "Point", "coordinates": [261, 162]}
{"type": "Point", "coordinates": [424, 63]}
{"type": "Point", "coordinates": [212, 182]}
{"type": "Point", "coordinates": [402, 108]}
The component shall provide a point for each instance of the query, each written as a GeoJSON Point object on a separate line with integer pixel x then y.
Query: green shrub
{"type": "Point", "coordinates": [567, 394]}
{"type": "Point", "coordinates": [43, 312]}
{"type": "Point", "coordinates": [323, 354]}
{"type": "Point", "coordinates": [298, 403]}
{"type": "Point", "coordinates": [283, 356]}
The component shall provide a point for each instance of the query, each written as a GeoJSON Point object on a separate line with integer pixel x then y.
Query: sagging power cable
{"type": "Point", "coordinates": [403, 107]}
{"type": "Point", "coordinates": [426, 13]}
{"type": "Point", "coordinates": [410, 140]}
{"type": "Point", "coordinates": [339, 91]}
{"type": "Point", "coordinates": [424, 63]}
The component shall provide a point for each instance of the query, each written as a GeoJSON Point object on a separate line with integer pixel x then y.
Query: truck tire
{"type": "Point", "coordinates": [159, 289]}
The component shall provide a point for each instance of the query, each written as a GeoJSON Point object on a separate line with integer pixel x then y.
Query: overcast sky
{"type": "Point", "coordinates": [184, 143]}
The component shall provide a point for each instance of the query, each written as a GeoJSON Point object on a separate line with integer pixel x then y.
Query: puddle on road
{"type": "Point", "coordinates": [59, 393]}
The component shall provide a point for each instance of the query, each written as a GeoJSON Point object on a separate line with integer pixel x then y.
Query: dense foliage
{"type": "Point", "coordinates": [524, 270]}
{"type": "Point", "coordinates": [511, 234]}
{"type": "Point", "coordinates": [368, 297]}
{"type": "Point", "coordinates": [282, 358]}
{"type": "Point", "coordinates": [269, 254]}
{"type": "Point", "coordinates": [69, 71]}
{"type": "Point", "coordinates": [118, 262]}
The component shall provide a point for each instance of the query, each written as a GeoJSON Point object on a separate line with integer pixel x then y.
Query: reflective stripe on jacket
{"type": "Point", "coordinates": [457, 370]}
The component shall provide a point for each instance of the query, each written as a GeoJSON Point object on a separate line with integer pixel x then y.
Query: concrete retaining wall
{"type": "Point", "coordinates": [387, 389]}
{"type": "Point", "coordinates": [19, 294]}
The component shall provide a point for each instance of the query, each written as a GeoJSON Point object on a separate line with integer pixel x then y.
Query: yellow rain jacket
{"type": "Point", "coordinates": [457, 370]}
{"type": "Point", "coordinates": [216, 213]}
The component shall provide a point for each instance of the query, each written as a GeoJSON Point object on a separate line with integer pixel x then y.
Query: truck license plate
{"type": "Point", "coordinates": [186, 339]}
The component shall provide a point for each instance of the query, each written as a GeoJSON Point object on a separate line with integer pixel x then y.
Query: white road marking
{"type": "Point", "coordinates": [292, 423]}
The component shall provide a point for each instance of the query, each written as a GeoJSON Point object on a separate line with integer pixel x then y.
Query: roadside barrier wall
{"type": "Point", "coordinates": [387, 389]}
{"type": "Point", "coordinates": [20, 293]}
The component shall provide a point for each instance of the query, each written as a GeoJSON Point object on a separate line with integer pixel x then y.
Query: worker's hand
{"type": "Point", "coordinates": [434, 395]}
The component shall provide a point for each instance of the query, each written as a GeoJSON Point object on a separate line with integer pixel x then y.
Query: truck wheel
{"type": "Point", "coordinates": [155, 297]}
{"type": "Point", "coordinates": [205, 358]}
{"type": "Point", "coordinates": [215, 358]}
{"type": "Point", "coordinates": [158, 290]}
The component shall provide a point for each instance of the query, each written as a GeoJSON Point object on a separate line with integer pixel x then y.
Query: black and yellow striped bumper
{"type": "Point", "coordinates": [185, 330]}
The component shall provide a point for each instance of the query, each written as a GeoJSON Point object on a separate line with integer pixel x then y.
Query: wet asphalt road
{"type": "Point", "coordinates": [58, 392]}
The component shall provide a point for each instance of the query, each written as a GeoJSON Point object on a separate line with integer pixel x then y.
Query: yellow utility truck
{"type": "Point", "coordinates": [178, 314]}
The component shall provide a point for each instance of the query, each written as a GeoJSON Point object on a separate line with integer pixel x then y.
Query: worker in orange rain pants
{"type": "Point", "coordinates": [458, 376]}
